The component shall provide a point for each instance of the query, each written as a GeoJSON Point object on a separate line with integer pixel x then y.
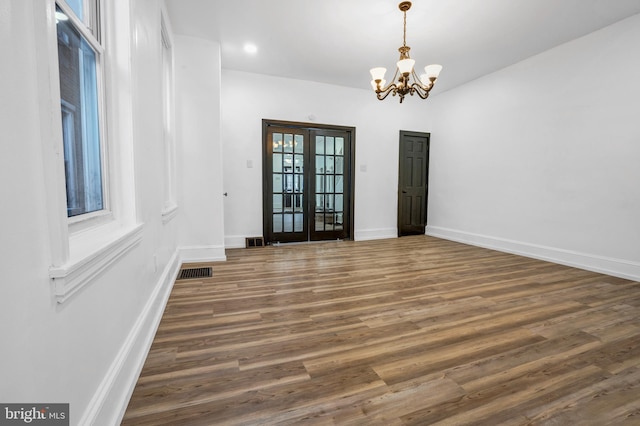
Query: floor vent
{"type": "Point", "coordinates": [191, 273]}
{"type": "Point", "coordinates": [254, 242]}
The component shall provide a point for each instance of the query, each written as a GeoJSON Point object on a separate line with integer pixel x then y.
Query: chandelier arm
{"type": "Point", "coordinates": [389, 87]}
{"type": "Point", "coordinates": [421, 91]}
{"type": "Point", "coordinates": [418, 81]}
{"type": "Point", "coordinates": [392, 88]}
{"type": "Point", "coordinates": [393, 79]}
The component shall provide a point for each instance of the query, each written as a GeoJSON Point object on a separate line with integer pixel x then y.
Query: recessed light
{"type": "Point", "coordinates": [250, 48]}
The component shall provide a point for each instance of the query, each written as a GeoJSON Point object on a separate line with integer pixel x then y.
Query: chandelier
{"type": "Point", "coordinates": [401, 82]}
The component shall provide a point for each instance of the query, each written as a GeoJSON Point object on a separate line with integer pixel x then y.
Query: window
{"type": "Point", "coordinates": [85, 82]}
{"type": "Point", "coordinates": [79, 63]}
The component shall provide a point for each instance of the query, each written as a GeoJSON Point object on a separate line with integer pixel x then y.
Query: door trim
{"type": "Point", "coordinates": [350, 178]}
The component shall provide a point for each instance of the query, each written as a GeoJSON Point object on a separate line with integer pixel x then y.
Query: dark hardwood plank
{"type": "Point", "coordinates": [414, 330]}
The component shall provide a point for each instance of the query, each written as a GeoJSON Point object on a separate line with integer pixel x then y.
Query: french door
{"type": "Point", "coordinates": [308, 182]}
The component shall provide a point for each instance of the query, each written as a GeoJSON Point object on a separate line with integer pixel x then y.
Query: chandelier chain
{"type": "Point", "coordinates": [404, 35]}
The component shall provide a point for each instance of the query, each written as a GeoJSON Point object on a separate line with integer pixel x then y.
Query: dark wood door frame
{"type": "Point", "coordinates": [349, 184]}
{"type": "Point", "coordinates": [413, 190]}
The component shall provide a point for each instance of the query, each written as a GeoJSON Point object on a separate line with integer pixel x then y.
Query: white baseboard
{"type": "Point", "coordinates": [237, 241]}
{"type": "Point", "coordinates": [108, 405]}
{"type": "Point", "coordinates": [376, 234]}
{"type": "Point", "coordinates": [605, 265]}
{"type": "Point", "coordinates": [197, 254]}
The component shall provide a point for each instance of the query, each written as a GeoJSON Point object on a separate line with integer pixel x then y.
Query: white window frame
{"type": "Point", "coordinates": [170, 206]}
{"type": "Point", "coordinates": [83, 247]}
{"type": "Point", "coordinates": [89, 28]}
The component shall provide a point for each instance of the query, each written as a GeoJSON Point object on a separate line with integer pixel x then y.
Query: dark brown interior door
{"type": "Point", "coordinates": [307, 182]}
{"type": "Point", "coordinates": [413, 183]}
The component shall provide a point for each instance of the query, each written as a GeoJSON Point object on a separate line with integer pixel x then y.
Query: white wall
{"type": "Point", "coordinates": [249, 98]}
{"type": "Point", "coordinates": [200, 149]}
{"type": "Point", "coordinates": [543, 157]}
{"type": "Point", "coordinates": [85, 351]}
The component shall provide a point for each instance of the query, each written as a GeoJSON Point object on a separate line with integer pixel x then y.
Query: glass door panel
{"type": "Point", "coordinates": [328, 188]}
{"type": "Point", "coordinates": [286, 186]}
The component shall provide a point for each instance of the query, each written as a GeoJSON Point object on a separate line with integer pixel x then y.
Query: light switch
{"type": "Point", "coordinates": [249, 164]}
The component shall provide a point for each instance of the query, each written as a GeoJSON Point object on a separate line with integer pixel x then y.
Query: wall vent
{"type": "Point", "coordinates": [192, 273]}
{"type": "Point", "coordinates": [254, 242]}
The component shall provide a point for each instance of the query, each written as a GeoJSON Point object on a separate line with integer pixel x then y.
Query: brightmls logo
{"type": "Point", "coordinates": [36, 414]}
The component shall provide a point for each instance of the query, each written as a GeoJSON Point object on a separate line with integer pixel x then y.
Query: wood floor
{"type": "Point", "coordinates": [414, 330]}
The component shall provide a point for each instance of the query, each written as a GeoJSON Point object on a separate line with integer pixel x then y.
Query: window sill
{"type": "Point", "coordinates": [91, 252]}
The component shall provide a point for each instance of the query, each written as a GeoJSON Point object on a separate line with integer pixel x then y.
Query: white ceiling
{"type": "Point", "coordinates": [338, 41]}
